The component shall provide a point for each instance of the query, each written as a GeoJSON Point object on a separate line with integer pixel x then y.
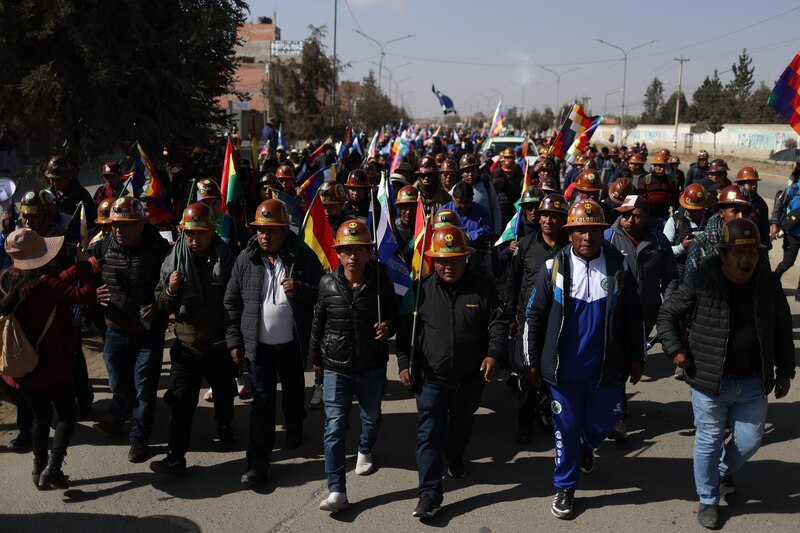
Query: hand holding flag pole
{"type": "Point", "coordinates": [412, 355]}
{"type": "Point", "coordinates": [375, 243]}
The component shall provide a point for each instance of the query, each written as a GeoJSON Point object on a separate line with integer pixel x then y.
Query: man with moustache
{"type": "Point", "coordinates": [739, 349]}
{"type": "Point", "coordinates": [584, 337]}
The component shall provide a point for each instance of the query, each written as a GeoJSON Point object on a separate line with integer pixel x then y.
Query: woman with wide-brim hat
{"type": "Point", "coordinates": [42, 300]}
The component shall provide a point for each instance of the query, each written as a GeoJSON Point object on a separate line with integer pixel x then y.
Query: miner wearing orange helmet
{"type": "Point", "coordinates": [450, 370]}
{"type": "Point", "coordinates": [660, 190]}
{"type": "Point", "coordinates": [583, 336]}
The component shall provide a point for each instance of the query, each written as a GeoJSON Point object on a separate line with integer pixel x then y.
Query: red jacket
{"type": "Point", "coordinates": [57, 350]}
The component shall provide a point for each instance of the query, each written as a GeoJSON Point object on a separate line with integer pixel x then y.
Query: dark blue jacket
{"type": "Point", "coordinates": [545, 317]}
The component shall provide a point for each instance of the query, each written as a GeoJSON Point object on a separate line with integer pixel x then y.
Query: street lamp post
{"type": "Point", "coordinates": [381, 46]}
{"type": "Point", "coordinates": [605, 101]}
{"type": "Point", "coordinates": [624, 73]}
{"type": "Point", "coordinates": [558, 75]}
{"type": "Point", "coordinates": [391, 71]}
{"type": "Point", "coordinates": [397, 88]}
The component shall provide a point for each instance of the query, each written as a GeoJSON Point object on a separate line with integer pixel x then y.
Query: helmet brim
{"type": "Point", "coordinates": [444, 255]}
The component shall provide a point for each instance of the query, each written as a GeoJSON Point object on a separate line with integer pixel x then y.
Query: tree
{"type": "Point", "coordinates": [298, 90]}
{"type": "Point", "coordinates": [97, 74]}
{"type": "Point", "coordinates": [668, 111]}
{"type": "Point", "coordinates": [708, 101]}
{"type": "Point", "coordinates": [737, 91]}
{"type": "Point", "coordinates": [756, 110]}
{"type": "Point", "coordinates": [653, 102]}
{"type": "Point", "coordinates": [374, 109]}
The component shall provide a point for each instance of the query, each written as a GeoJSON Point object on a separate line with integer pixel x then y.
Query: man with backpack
{"type": "Point", "coordinates": [789, 221]}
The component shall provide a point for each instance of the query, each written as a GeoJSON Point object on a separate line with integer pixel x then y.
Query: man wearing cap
{"type": "Point", "coordinates": [583, 336]}
{"type": "Point", "coordinates": [38, 211]}
{"type": "Point", "coordinates": [69, 194]}
{"type": "Point", "coordinates": [686, 223]}
{"type": "Point", "coordinates": [475, 222]}
{"type": "Point", "coordinates": [285, 175]}
{"type": "Point", "coordinates": [113, 186]}
{"type": "Point", "coordinates": [636, 164]}
{"type": "Point", "coordinates": [574, 171]}
{"type": "Point", "coordinates": [228, 229]}
{"type": "Point", "coordinates": [617, 192]}
{"type": "Point", "coordinates": [192, 287]}
{"type": "Point", "coordinates": [130, 262]}
{"type": "Point", "coordinates": [358, 189]}
{"type": "Point", "coordinates": [659, 190]}
{"type": "Point", "coordinates": [268, 311]}
{"type": "Point", "coordinates": [732, 203]}
{"type": "Point", "coordinates": [348, 340]}
{"type": "Point", "coordinates": [483, 192]}
{"type": "Point", "coordinates": [697, 171]}
{"type": "Point", "coordinates": [433, 197]}
{"type": "Point", "coordinates": [405, 223]}
{"type": "Point", "coordinates": [449, 371]}
{"type": "Point", "coordinates": [739, 349]}
{"type": "Point", "coordinates": [531, 252]}
{"type": "Point", "coordinates": [508, 170]}
{"type": "Point", "coordinates": [448, 174]}
{"type": "Point", "coordinates": [747, 179]}
{"type": "Point", "coordinates": [716, 179]}
{"type": "Point", "coordinates": [333, 198]}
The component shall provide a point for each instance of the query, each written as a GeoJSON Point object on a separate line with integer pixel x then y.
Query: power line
{"type": "Point", "coordinates": [352, 15]}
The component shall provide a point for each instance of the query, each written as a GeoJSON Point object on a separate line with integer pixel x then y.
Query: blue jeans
{"type": "Point", "coordinates": [337, 395]}
{"type": "Point", "coordinates": [134, 366]}
{"type": "Point", "coordinates": [741, 406]}
{"type": "Point", "coordinates": [584, 414]}
{"type": "Point", "coordinates": [270, 363]}
{"type": "Point", "coordinates": [445, 415]}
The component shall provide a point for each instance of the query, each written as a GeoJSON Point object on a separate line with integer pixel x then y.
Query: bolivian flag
{"type": "Point", "coordinates": [420, 264]}
{"type": "Point", "coordinates": [316, 235]}
{"type": "Point", "coordinates": [231, 184]}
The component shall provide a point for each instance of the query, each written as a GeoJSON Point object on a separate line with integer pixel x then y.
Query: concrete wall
{"type": "Point", "coordinates": [742, 140]}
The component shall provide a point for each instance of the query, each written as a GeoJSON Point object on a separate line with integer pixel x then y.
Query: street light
{"type": "Point", "coordinates": [605, 101]}
{"type": "Point", "coordinates": [391, 71]}
{"type": "Point", "coordinates": [558, 75]}
{"type": "Point", "coordinates": [397, 88]}
{"type": "Point", "coordinates": [624, 73]}
{"type": "Point", "coordinates": [522, 109]}
{"type": "Point", "coordinates": [381, 46]}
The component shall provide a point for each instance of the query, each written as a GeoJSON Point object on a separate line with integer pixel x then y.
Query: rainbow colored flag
{"type": "Point", "coordinates": [785, 97]}
{"type": "Point", "coordinates": [264, 151]}
{"type": "Point", "coordinates": [581, 143]}
{"type": "Point", "coordinates": [573, 126]}
{"type": "Point", "coordinates": [231, 185]}
{"type": "Point", "coordinates": [295, 208]}
{"type": "Point", "coordinates": [373, 145]}
{"type": "Point", "coordinates": [145, 183]}
{"type": "Point", "coordinates": [316, 236]}
{"type": "Point", "coordinates": [308, 190]}
{"type": "Point", "coordinates": [400, 149]}
{"type": "Point", "coordinates": [497, 120]}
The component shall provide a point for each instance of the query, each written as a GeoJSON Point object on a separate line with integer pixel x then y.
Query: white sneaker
{"type": "Point", "coordinates": [364, 466]}
{"type": "Point", "coordinates": [335, 502]}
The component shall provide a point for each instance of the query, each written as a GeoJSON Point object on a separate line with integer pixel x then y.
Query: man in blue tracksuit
{"type": "Point", "coordinates": [583, 336]}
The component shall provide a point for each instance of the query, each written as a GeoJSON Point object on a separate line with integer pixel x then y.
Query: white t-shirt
{"type": "Point", "coordinates": [277, 321]}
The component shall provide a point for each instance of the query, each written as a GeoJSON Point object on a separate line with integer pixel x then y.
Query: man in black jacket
{"type": "Point", "coordinates": [739, 348]}
{"type": "Point", "coordinates": [134, 345]}
{"type": "Point", "coordinates": [530, 254]}
{"type": "Point", "coordinates": [348, 340]}
{"type": "Point", "coordinates": [268, 309]}
{"type": "Point", "coordinates": [461, 339]}
{"type": "Point", "coordinates": [192, 286]}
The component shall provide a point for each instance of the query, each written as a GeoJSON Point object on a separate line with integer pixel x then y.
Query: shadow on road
{"type": "Point", "coordinates": [58, 522]}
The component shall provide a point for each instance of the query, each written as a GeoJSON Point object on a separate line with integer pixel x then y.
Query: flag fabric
{"type": "Point", "coordinates": [145, 183]}
{"type": "Point", "coordinates": [264, 151]}
{"type": "Point", "coordinates": [785, 96]}
{"type": "Point", "coordinates": [308, 164]}
{"type": "Point", "coordinates": [445, 101]}
{"type": "Point", "coordinates": [573, 126]}
{"type": "Point", "coordinates": [294, 206]}
{"type": "Point", "coordinates": [347, 138]}
{"type": "Point", "coordinates": [316, 236]}
{"type": "Point", "coordinates": [231, 184]}
{"type": "Point", "coordinates": [373, 145]}
{"type": "Point", "coordinates": [281, 138]}
{"type": "Point", "coordinates": [497, 120]}
{"type": "Point", "coordinates": [308, 190]}
{"type": "Point", "coordinates": [357, 145]}
{"type": "Point", "coordinates": [421, 264]}
{"type": "Point", "coordinates": [253, 147]}
{"type": "Point", "coordinates": [525, 145]}
{"type": "Point", "coordinates": [388, 251]}
{"type": "Point", "coordinates": [581, 142]}
{"type": "Point", "coordinates": [84, 229]}
{"type": "Point", "coordinates": [400, 150]}
{"type": "Point", "coordinates": [512, 228]}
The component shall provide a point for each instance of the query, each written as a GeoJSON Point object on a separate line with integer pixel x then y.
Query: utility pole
{"type": "Point", "coordinates": [680, 61]}
{"type": "Point", "coordinates": [333, 93]}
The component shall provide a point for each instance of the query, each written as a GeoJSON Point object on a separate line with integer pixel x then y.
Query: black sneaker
{"type": "Point", "coordinates": [456, 468]}
{"type": "Point", "coordinates": [587, 462]}
{"type": "Point", "coordinates": [708, 516]}
{"type": "Point", "coordinates": [22, 443]}
{"type": "Point", "coordinates": [426, 508]}
{"type": "Point", "coordinates": [139, 452]}
{"type": "Point", "coordinates": [727, 488]}
{"type": "Point", "coordinates": [563, 504]}
{"type": "Point", "coordinates": [225, 440]}
{"type": "Point", "coordinates": [169, 465]}
{"type": "Point", "coordinates": [109, 425]}
{"type": "Point", "coordinates": [294, 438]}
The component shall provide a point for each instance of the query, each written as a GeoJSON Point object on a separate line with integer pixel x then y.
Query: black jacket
{"type": "Point", "coordinates": [243, 294]}
{"type": "Point", "coordinates": [704, 297]}
{"type": "Point", "coordinates": [528, 258]}
{"type": "Point", "coordinates": [131, 274]}
{"type": "Point", "coordinates": [69, 202]}
{"type": "Point", "coordinates": [343, 332]}
{"type": "Point", "coordinates": [459, 325]}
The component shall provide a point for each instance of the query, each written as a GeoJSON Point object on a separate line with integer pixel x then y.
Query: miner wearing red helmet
{"type": "Point", "coordinates": [269, 304]}
{"type": "Point", "coordinates": [583, 336]}
{"type": "Point", "coordinates": [449, 370]}
{"type": "Point", "coordinates": [405, 223]}
{"type": "Point", "coordinates": [199, 349]}
{"type": "Point", "coordinates": [747, 179]}
{"type": "Point", "coordinates": [686, 222]}
{"type": "Point", "coordinates": [660, 190]}
{"type": "Point", "coordinates": [740, 349]}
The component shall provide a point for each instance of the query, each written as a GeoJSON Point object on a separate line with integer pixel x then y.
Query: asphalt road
{"type": "Point", "coordinates": [643, 484]}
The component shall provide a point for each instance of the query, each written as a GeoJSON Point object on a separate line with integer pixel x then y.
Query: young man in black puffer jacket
{"type": "Point", "coordinates": [348, 339]}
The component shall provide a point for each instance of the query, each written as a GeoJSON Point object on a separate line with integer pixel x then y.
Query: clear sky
{"type": "Point", "coordinates": [473, 51]}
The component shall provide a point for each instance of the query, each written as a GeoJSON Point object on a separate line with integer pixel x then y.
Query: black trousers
{"type": "Point", "coordinates": [24, 414]}
{"type": "Point", "coordinates": [60, 396]}
{"type": "Point", "coordinates": [189, 367]}
{"type": "Point", "coordinates": [791, 245]}
{"type": "Point", "coordinates": [533, 403]}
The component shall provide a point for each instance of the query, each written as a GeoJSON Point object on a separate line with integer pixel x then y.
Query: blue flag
{"type": "Point", "coordinates": [388, 251]}
{"type": "Point", "coordinates": [444, 101]}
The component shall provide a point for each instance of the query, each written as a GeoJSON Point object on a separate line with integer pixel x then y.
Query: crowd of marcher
{"type": "Point", "coordinates": [608, 255]}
